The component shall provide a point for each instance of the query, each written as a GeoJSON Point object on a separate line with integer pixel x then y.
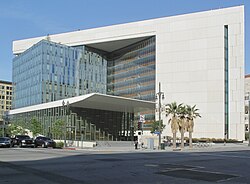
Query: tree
{"type": "Point", "coordinates": [155, 126]}
{"type": "Point", "coordinates": [21, 123]}
{"type": "Point", "coordinates": [13, 129]}
{"type": "Point", "coordinates": [57, 129]}
{"type": "Point", "coordinates": [182, 121]}
{"type": "Point", "coordinates": [36, 127]}
{"type": "Point", "coordinates": [173, 110]}
{"type": "Point", "coordinates": [191, 115]}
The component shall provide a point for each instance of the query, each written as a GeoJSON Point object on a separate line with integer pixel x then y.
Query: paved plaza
{"type": "Point", "coordinates": [213, 164]}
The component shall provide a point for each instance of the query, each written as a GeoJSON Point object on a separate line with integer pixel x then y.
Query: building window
{"type": "Point", "coordinates": [226, 80]}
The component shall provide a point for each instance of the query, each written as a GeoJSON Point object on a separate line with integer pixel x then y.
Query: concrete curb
{"type": "Point", "coordinates": [69, 148]}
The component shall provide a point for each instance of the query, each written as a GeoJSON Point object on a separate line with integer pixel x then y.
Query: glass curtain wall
{"type": "Point", "coordinates": [131, 71]}
{"type": "Point", "coordinates": [79, 124]}
{"type": "Point", "coordinates": [51, 71]}
{"type": "Point", "coordinates": [131, 74]}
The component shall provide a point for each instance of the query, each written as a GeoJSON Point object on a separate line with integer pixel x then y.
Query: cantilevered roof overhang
{"type": "Point", "coordinates": [94, 101]}
{"type": "Point", "coordinates": [110, 46]}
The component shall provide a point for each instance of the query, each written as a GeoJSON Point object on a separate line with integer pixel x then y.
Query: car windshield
{"type": "Point", "coordinates": [3, 139]}
{"type": "Point", "coordinates": [23, 137]}
{"type": "Point", "coordinates": [46, 139]}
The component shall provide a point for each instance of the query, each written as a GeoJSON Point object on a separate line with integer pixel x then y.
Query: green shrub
{"type": "Point", "coordinates": [213, 139]}
{"type": "Point", "coordinates": [194, 140]}
{"type": "Point", "coordinates": [220, 140]}
{"type": "Point", "coordinates": [59, 144]}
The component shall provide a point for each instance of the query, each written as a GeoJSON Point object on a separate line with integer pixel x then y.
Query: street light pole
{"type": "Point", "coordinates": [3, 126]}
{"type": "Point", "coordinates": [63, 105]}
{"type": "Point", "coordinates": [160, 95]}
{"type": "Point", "coordinates": [132, 130]}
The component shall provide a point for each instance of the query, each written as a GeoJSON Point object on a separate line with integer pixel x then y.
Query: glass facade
{"type": "Point", "coordinates": [131, 74]}
{"type": "Point", "coordinates": [131, 71]}
{"type": "Point", "coordinates": [50, 71]}
{"type": "Point", "coordinates": [80, 124]}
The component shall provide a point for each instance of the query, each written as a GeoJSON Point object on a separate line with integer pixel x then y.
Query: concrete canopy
{"type": "Point", "coordinates": [94, 101]}
{"type": "Point", "coordinates": [114, 103]}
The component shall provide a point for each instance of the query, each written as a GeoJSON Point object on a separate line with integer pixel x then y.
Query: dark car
{"type": "Point", "coordinates": [23, 141]}
{"type": "Point", "coordinates": [44, 142]}
{"type": "Point", "coordinates": [5, 142]}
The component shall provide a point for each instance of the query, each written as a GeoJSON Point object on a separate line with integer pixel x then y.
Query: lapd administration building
{"type": "Point", "coordinates": [106, 77]}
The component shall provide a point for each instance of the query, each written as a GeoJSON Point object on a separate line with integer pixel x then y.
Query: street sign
{"type": "Point", "coordinates": [142, 118]}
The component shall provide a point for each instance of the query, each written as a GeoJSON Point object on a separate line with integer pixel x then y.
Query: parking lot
{"type": "Point", "coordinates": [223, 164]}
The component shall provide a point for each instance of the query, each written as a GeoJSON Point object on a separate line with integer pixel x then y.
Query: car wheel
{"type": "Point", "coordinates": [20, 145]}
{"type": "Point", "coordinates": [43, 145]}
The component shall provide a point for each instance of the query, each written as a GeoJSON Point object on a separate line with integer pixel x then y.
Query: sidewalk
{"type": "Point", "coordinates": [211, 148]}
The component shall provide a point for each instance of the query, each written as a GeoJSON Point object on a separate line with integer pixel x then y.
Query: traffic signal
{"type": "Point", "coordinates": [139, 125]}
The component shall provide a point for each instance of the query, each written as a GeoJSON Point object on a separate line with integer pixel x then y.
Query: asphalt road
{"type": "Point", "coordinates": [51, 166]}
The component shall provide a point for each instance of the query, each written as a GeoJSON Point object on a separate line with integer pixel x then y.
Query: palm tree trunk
{"type": "Point", "coordinates": [190, 140]}
{"type": "Point", "coordinates": [182, 138]}
{"type": "Point", "coordinates": [174, 140]}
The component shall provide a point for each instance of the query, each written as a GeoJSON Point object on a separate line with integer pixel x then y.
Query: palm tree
{"type": "Point", "coordinates": [191, 115]}
{"type": "Point", "coordinates": [182, 123]}
{"type": "Point", "coordinates": [173, 110]}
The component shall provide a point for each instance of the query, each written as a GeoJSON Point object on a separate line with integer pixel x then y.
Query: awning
{"type": "Point", "coordinates": [94, 101]}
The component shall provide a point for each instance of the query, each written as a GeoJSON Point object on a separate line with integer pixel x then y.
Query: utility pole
{"type": "Point", "coordinates": [160, 96]}
{"type": "Point", "coordinates": [65, 129]}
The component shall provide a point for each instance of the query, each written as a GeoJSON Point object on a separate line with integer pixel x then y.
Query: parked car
{"type": "Point", "coordinates": [44, 142]}
{"type": "Point", "coordinates": [23, 141]}
{"type": "Point", "coordinates": [5, 142]}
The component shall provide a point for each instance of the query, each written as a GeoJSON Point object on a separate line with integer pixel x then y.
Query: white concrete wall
{"type": "Point", "coordinates": [190, 66]}
{"type": "Point", "coordinates": [189, 62]}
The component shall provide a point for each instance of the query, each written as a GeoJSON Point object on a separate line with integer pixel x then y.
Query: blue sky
{"type": "Point", "coordinates": [31, 18]}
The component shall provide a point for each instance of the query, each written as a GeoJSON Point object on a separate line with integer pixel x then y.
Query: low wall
{"type": "Point", "coordinates": [78, 144]}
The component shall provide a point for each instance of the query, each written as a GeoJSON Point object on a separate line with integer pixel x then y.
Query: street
{"type": "Point", "coordinates": [211, 165]}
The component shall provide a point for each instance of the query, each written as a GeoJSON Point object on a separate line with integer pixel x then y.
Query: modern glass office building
{"type": "Point", "coordinates": [198, 58]}
{"type": "Point", "coordinates": [50, 71]}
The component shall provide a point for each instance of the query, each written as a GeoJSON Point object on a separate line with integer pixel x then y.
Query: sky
{"type": "Point", "coordinates": [21, 19]}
